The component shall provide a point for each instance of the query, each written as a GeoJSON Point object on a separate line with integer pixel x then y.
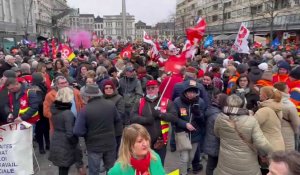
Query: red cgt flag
{"type": "Point", "coordinates": [126, 52]}
{"type": "Point", "coordinates": [195, 34]}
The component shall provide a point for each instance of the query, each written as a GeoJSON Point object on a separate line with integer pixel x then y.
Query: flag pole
{"type": "Point", "coordinates": [162, 94]}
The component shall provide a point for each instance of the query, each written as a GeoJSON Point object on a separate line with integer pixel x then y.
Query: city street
{"type": "Point", "coordinates": [46, 167]}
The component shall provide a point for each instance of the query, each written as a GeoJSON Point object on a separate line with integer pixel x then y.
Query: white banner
{"type": "Point", "coordinates": [16, 149]}
{"type": "Point", "coordinates": [241, 44]}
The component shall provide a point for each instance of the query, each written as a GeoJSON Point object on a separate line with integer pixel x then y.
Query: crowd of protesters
{"type": "Point", "coordinates": [235, 108]}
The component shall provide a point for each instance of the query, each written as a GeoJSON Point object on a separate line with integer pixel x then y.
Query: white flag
{"type": "Point", "coordinates": [241, 44]}
{"type": "Point", "coordinates": [147, 39]}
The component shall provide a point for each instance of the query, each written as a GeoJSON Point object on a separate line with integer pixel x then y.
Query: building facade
{"type": "Point", "coordinates": [99, 26]}
{"type": "Point", "coordinates": [226, 16]}
{"type": "Point", "coordinates": [17, 21]}
{"type": "Point", "coordinates": [113, 26]}
{"type": "Point", "coordinates": [87, 22]}
{"type": "Point", "coordinates": [75, 20]}
{"type": "Point", "coordinates": [164, 30]}
{"type": "Point", "coordinates": [140, 27]}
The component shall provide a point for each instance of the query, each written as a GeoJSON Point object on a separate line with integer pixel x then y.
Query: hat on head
{"type": "Point", "coordinates": [255, 74]}
{"type": "Point", "coordinates": [108, 82]}
{"type": "Point", "coordinates": [295, 73]}
{"type": "Point", "coordinates": [129, 69]}
{"type": "Point", "coordinates": [242, 68]}
{"type": "Point", "coordinates": [283, 64]}
{"type": "Point", "coordinates": [92, 90]}
{"type": "Point", "coordinates": [9, 74]}
{"type": "Point", "coordinates": [37, 78]}
{"type": "Point", "coordinates": [94, 62]}
{"type": "Point", "coordinates": [191, 69]}
{"type": "Point", "coordinates": [263, 66]}
{"type": "Point", "coordinates": [151, 83]}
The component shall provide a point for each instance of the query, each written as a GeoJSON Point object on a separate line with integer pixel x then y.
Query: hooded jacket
{"type": "Point", "coordinates": [269, 117]}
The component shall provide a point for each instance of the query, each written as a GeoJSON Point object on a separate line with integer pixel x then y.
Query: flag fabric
{"type": "Point", "coordinates": [176, 62]}
{"type": "Point", "coordinates": [187, 45]}
{"type": "Point", "coordinates": [275, 43]}
{"type": "Point", "coordinates": [241, 44]}
{"type": "Point", "coordinates": [67, 53]}
{"type": "Point", "coordinates": [171, 46]}
{"type": "Point", "coordinates": [46, 49]}
{"type": "Point", "coordinates": [176, 172]}
{"type": "Point", "coordinates": [53, 43]}
{"type": "Point", "coordinates": [126, 52]}
{"type": "Point", "coordinates": [209, 41]}
{"type": "Point", "coordinates": [196, 33]}
{"type": "Point", "coordinates": [147, 38]}
{"type": "Point", "coordinates": [257, 44]}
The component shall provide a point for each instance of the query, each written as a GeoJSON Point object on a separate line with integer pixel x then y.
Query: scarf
{"type": "Point", "coordinates": [141, 166]}
{"type": "Point", "coordinates": [235, 111]}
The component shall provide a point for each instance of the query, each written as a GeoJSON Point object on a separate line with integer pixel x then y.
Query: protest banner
{"type": "Point", "coordinates": [16, 149]}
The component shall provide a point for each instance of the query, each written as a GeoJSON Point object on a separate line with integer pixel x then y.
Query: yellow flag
{"type": "Point", "coordinates": [176, 172]}
{"type": "Point", "coordinates": [71, 57]}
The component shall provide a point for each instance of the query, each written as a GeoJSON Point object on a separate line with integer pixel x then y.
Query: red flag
{"type": "Point", "coordinates": [60, 47]}
{"type": "Point", "coordinates": [126, 52]}
{"type": "Point", "coordinates": [147, 39]}
{"type": "Point", "coordinates": [46, 49]}
{"type": "Point", "coordinates": [195, 34]}
{"type": "Point", "coordinates": [53, 48]}
{"type": "Point", "coordinates": [175, 63]}
{"type": "Point", "coordinates": [257, 45]}
{"type": "Point", "coordinates": [66, 51]}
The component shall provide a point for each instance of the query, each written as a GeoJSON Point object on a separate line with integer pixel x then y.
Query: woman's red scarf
{"type": "Point", "coordinates": [141, 166]}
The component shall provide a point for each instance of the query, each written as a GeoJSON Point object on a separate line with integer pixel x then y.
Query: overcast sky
{"type": "Point", "coordinates": [149, 11]}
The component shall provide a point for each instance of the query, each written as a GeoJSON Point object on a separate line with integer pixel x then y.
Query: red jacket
{"type": "Point", "coordinates": [280, 78]}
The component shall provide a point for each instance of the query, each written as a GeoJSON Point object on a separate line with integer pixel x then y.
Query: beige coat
{"type": "Point", "coordinates": [269, 117]}
{"type": "Point", "coordinates": [235, 156]}
{"type": "Point", "coordinates": [290, 123]}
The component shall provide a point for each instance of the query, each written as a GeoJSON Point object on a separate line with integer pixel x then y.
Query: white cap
{"type": "Point", "coordinates": [263, 66]}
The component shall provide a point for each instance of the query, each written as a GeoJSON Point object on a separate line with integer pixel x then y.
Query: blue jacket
{"type": "Point", "coordinates": [179, 88]}
{"type": "Point", "coordinates": [211, 142]}
{"type": "Point", "coordinates": [185, 111]}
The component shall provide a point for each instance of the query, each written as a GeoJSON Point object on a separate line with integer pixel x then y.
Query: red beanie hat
{"type": "Point", "coordinates": [108, 82]}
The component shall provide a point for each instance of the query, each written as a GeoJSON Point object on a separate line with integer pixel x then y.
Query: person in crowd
{"type": "Point", "coordinates": [97, 121]}
{"type": "Point", "coordinates": [241, 69]}
{"type": "Point", "coordinates": [63, 141]}
{"type": "Point", "coordinates": [207, 82]}
{"type": "Point", "coordinates": [294, 85]}
{"type": "Point", "coordinates": [7, 64]}
{"type": "Point", "coordinates": [135, 155]}
{"type": "Point", "coordinates": [290, 122]}
{"type": "Point", "coordinates": [49, 68]}
{"type": "Point", "coordinates": [111, 93]}
{"type": "Point", "coordinates": [245, 89]}
{"type": "Point", "coordinates": [191, 74]}
{"type": "Point", "coordinates": [143, 77]}
{"type": "Point", "coordinates": [23, 102]}
{"type": "Point", "coordinates": [4, 109]}
{"type": "Point", "coordinates": [73, 67]}
{"type": "Point", "coordinates": [211, 142]}
{"type": "Point", "coordinates": [65, 72]}
{"type": "Point", "coordinates": [81, 76]}
{"type": "Point", "coordinates": [101, 76]}
{"type": "Point", "coordinates": [282, 74]}
{"type": "Point", "coordinates": [90, 79]}
{"type": "Point", "coordinates": [26, 76]}
{"type": "Point", "coordinates": [131, 90]}
{"type": "Point", "coordinates": [285, 163]}
{"type": "Point", "coordinates": [190, 108]}
{"type": "Point", "coordinates": [113, 73]}
{"type": "Point", "coordinates": [58, 65]}
{"type": "Point", "coordinates": [241, 140]}
{"type": "Point", "coordinates": [269, 116]}
{"type": "Point", "coordinates": [154, 114]}
{"type": "Point", "coordinates": [41, 68]}
{"type": "Point", "coordinates": [42, 126]}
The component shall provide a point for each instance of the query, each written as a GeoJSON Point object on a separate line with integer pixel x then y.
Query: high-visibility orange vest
{"type": "Point", "coordinates": [163, 109]}
{"type": "Point", "coordinates": [295, 94]}
{"type": "Point", "coordinates": [231, 84]}
{"type": "Point", "coordinates": [280, 78]}
{"type": "Point", "coordinates": [263, 83]}
{"type": "Point", "coordinates": [24, 107]}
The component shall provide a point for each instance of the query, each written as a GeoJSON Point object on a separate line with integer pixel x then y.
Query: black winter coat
{"type": "Point", "coordinates": [211, 142]}
{"type": "Point", "coordinates": [63, 143]}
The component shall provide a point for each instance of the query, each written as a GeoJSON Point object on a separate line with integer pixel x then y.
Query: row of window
{"type": "Point", "coordinates": [117, 24]}
{"type": "Point", "coordinates": [117, 32]}
{"type": "Point", "coordinates": [98, 26]}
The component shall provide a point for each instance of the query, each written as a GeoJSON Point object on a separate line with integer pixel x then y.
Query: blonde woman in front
{"type": "Point", "coordinates": [135, 154]}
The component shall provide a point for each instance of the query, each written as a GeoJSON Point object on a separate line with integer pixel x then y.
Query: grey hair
{"type": "Point", "coordinates": [235, 101]}
{"type": "Point", "coordinates": [65, 95]}
{"type": "Point", "coordinates": [100, 71]}
{"type": "Point", "coordinates": [25, 68]}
